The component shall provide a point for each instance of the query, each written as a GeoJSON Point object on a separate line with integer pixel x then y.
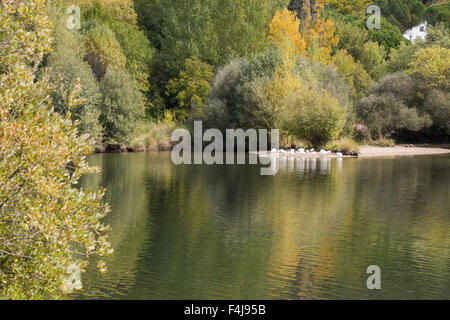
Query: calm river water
{"type": "Point", "coordinates": [310, 232]}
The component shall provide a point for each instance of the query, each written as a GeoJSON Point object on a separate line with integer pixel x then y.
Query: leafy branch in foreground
{"type": "Point", "coordinates": [48, 228]}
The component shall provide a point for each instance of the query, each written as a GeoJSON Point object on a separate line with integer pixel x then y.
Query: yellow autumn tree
{"type": "Point", "coordinates": [284, 34]}
{"type": "Point", "coordinates": [317, 32]}
{"type": "Point", "coordinates": [349, 6]}
{"type": "Point", "coordinates": [313, 37]}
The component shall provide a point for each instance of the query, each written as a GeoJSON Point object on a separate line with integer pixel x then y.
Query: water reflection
{"type": "Point", "coordinates": [226, 232]}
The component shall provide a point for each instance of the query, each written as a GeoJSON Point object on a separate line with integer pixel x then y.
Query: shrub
{"type": "Point", "coordinates": [122, 106]}
{"type": "Point", "coordinates": [345, 145]}
{"type": "Point", "coordinates": [385, 108]}
{"type": "Point", "coordinates": [314, 115]}
{"type": "Point", "coordinates": [154, 136]}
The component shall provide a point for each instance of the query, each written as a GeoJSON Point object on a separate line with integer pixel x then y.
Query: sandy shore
{"type": "Point", "coordinates": [369, 151]}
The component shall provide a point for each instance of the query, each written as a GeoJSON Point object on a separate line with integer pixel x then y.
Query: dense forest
{"type": "Point", "coordinates": [310, 68]}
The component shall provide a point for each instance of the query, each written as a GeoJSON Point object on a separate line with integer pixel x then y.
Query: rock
{"type": "Point", "coordinates": [99, 150]}
{"type": "Point", "coordinates": [115, 148]}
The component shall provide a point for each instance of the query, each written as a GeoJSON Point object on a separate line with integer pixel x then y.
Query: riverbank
{"type": "Point", "coordinates": [401, 150]}
{"type": "Point", "coordinates": [372, 151]}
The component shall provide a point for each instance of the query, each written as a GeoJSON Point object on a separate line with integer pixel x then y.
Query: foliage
{"type": "Point", "coordinates": [344, 145]}
{"type": "Point", "coordinates": [402, 13]}
{"type": "Point", "coordinates": [382, 142]}
{"type": "Point", "coordinates": [349, 6]}
{"type": "Point", "coordinates": [314, 115]}
{"type": "Point", "coordinates": [122, 106]}
{"type": "Point", "coordinates": [48, 228]}
{"type": "Point", "coordinates": [438, 13]}
{"type": "Point", "coordinates": [388, 36]}
{"type": "Point", "coordinates": [437, 105]}
{"type": "Point", "coordinates": [285, 35]}
{"type": "Point", "coordinates": [432, 65]}
{"type": "Point", "coordinates": [66, 66]}
{"type": "Point", "coordinates": [353, 73]}
{"type": "Point", "coordinates": [137, 50]}
{"type": "Point", "coordinates": [372, 57]}
{"type": "Point", "coordinates": [154, 136]}
{"type": "Point", "coordinates": [102, 49]}
{"type": "Point", "coordinates": [386, 110]}
{"type": "Point", "coordinates": [192, 86]}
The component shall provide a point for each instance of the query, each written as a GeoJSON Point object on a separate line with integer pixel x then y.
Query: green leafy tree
{"type": "Point", "coordinates": [102, 49]}
{"type": "Point", "coordinates": [48, 228]}
{"type": "Point", "coordinates": [432, 65]}
{"type": "Point", "coordinates": [122, 105]}
{"type": "Point", "coordinates": [314, 115]}
{"type": "Point", "coordinates": [192, 86]}
{"type": "Point", "coordinates": [438, 13]}
{"type": "Point", "coordinates": [66, 67]}
{"type": "Point", "coordinates": [388, 36]}
{"type": "Point", "coordinates": [353, 73]}
{"type": "Point", "coordinates": [402, 13]}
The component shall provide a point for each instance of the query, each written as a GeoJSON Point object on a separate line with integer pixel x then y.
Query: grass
{"type": "Point", "coordinates": [382, 143]}
{"type": "Point", "coordinates": [346, 146]}
{"type": "Point", "coordinates": [154, 136]}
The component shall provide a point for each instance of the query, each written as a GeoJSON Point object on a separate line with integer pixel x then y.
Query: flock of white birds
{"type": "Point", "coordinates": [303, 152]}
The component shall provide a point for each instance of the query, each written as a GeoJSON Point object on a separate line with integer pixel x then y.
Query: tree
{"type": "Point", "coordinates": [66, 67]}
{"type": "Point", "coordinates": [122, 105]}
{"type": "Point", "coordinates": [432, 65]}
{"type": "Point", "coordinates": [349, 6]}
{"type": "Point", "coordinates": [388, 36]}
{"type": "Point", "coordinates": [102, 49]}
{"type": "Point", "coordinates": [402, 13]}
{"type": "Point", "coordinates": [386, 107]}
{"type": "Point", "coordinates": [137, 51]}
{"type": "Point", "coordinates": [372, 56]}
{"type": "Point", "coordinates": [48, 228]}
{"type": "Point", "coordinates": [192, 86]}
{"type": "Point", "coordinates": [284, 34]}
{"type": "Point", "coordinates": [355, 76]}
{"type": "Point", "coordinates": [438, 13]}
{"type": "Point", "coordinates": [314, 115]}
{"type": "Point", "coordinates": [437, 104]}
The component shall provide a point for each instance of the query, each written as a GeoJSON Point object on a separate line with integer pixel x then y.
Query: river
{"type": "Point", "coordinates": [310, 232]}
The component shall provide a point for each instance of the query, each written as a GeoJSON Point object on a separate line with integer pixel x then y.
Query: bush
{"type": "Point", "coordinates": [346, 146]}
{"type": "Point", "coordinates": [122, 106]}
{"type": "Point", "coordinates": [314, 115]}
{"type": "Point", "coordinates": [386, 110]}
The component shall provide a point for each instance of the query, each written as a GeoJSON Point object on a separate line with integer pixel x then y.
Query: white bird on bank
{"type": "Point", "coordinates": [292, 151]}
{"type": "Point", "coordinates": [274, 150]}
{"type": "Point", "coordinates": [323, 152]}
{"type": "Point", "coordinates": [339, 154]}
{"type": "Point", "coordinates": [313, 153]}
{"type": "Point", "coordinates": [301, 150]}
{"type": "Point", "coordinates": [311, 150]}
